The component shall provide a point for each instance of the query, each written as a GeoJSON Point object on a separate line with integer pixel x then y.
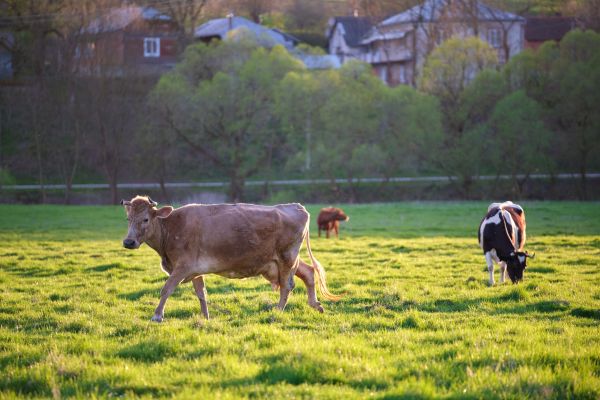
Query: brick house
{"type": "Point", "coordinates": [125, 40]}
{"type": "Point", "coordinates": [542, 29]}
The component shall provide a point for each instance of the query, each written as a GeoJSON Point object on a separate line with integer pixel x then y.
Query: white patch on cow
{"type": "Point", "coordinates": [521, 259]}
{"type": "Point", "coordinates": [489, 258]}
{"type": "Point", "coordinates": [502, 265]}
{"type": "Point", "coordinates": [495, 219]}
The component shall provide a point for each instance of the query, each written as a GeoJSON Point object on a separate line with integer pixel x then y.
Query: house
{"type": "Point", "coordinates": [132, 39]}
{"type": "Point", "coordinates": [219, 29]}
{"type": "Point", "coordinates": [398, 46]}
{"type": "Point", "coordinates": [541, 29]}
{"type": "Point", "coordinates": [344, 35]}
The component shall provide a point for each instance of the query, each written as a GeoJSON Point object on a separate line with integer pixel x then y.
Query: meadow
{"type": "Point", "coordinates": [417, 319]}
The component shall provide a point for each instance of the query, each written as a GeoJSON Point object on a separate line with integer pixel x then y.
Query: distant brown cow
{"type": "Point", "coordinates": [231, 240]}
{"type": "Point", "coordinates": [329, 220]}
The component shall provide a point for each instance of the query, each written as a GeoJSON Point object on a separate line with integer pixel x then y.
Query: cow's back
{"type": "Point", "coordinates": [236, 231]}
{"type": "Point", "coordinates": [496, 228]}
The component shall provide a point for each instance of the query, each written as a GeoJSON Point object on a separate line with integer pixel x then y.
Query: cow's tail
{"type": "Point", "coordinates": [320, 274]}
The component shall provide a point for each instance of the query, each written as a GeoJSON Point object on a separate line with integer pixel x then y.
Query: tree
{"type": "Point", "coordinates": [348, 142]}
{"type": "Point", "coordinates": [410, 129]}
{"type": "Point", "coordinates": [449, 69]}
{"type": "Point", "coordinates": [452, 65]}
{"type": "Point", "coordinates": [519, 138]}
{"type": "Point", "coordinates": [185, 13]}
{"type": "Point", "coordinates": [227, 119]}
{"type": "Point", "coordinates": [577, 75]}
{"type": "Point", "coordinates": [300, 96]}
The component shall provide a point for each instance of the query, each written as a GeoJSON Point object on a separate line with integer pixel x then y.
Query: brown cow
{"type": "Point", "coordinates": [329, 220]}
{"type": "Point", "coordinates": [231, 240]}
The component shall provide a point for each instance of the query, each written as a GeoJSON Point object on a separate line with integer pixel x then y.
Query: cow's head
{"type": "Point", "coordinates": [340, 215]}
{"type": "Point", "coordinates": [516, 264]}
{"type": "Point", "coordinates": [141, 213]}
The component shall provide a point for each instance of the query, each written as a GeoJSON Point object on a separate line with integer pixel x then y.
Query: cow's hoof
{"type": "Point", "coordinates": [157, 318]}
{"type": "Point", "coordinates": [317, 306]}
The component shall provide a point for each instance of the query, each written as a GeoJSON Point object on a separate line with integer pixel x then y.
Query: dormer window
{"type": "Point", "coordinates": [151, 47]}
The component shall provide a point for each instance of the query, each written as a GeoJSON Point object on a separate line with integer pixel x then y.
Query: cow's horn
{"type": "Point", "coordinates": [532, 256]}
{"type": "Point", "coordinates": [125, 203]}
{"type": "Point", "coordinates": [152, 202]}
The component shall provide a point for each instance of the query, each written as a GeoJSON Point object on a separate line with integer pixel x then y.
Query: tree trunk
{"type": "Point", "coordinates": [236, 188]}
{"type": "Point", "coordinates": [583, 176]}
{"type": "Point", "coordinates": [114, 192]}
{"type": "Point", "coordinates": [308, 128]}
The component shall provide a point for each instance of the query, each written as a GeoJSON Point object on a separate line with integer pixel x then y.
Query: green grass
{"type": "Point", "coordinates": [417, 319]}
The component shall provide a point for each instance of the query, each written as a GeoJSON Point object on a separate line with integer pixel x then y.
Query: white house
{"type": "Point", "coordinates": [398, 46]}
{"type": "Point", "coordinates": [344, 35]}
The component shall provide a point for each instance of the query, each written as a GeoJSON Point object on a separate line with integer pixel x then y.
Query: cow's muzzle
{"type": "Point", "coordinates": [130, 244]}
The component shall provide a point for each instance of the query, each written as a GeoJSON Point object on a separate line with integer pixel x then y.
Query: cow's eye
{"type": "Point", "coordinates": [145, 219]}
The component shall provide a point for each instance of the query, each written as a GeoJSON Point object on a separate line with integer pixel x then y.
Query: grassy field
{"type": "Point", "coordinates": [417, 319]}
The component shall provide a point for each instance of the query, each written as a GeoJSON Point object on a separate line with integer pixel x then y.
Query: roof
{"type": "Point", "coordinates": [376, 35]}
{"type": "Point", "coordinates": [430, 11]}
{"type": "Point", "coordinates": [325, 61]}
{"type": "Point", "coordinates": [220, 27]}
{"type": "Point", "coordinates": [354, 28]}
{"type": "Point", "coordinates": [540, 29]}
{"type": "Point", "coordinates": [116, 19]}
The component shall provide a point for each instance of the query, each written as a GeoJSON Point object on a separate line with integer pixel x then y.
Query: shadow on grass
{"type": "Point", "coordinates": [105, 267]}
{"type": "Point", "coordinates": [298, 369]}
{"type": "Point", "coordinates": [586, 313]}
{"type": "Point", "coordinates": [149, 351]}
{"type": "Point", "coordinates": [547, 306]}
{"type": "Point", "coordinates": [32, 272]}
{"type": "Point", "coordinates": [513, 301]}
{"type": "Point", "coordinates": [138, 294]}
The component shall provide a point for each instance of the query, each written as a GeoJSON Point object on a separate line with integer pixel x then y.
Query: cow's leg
{"type": "Point", "coordinates": [490, 264]}
{"type": "Point", "coordinates": [201, 293]}
{"type": "Point", "coordinates": [174, 279]}
{"type": "Point", "coordinates": [502, 265]}
{"type": "Point", "coordinates": [328, 230]}
{"type": "Point", "coordinates": [336, 227]}
{"type": "Point", "coordinates": [287, 270]}
{"type": "Point", "coordinates": [307, 274]}
{"type": "Point", "coordinates": [319, 230]}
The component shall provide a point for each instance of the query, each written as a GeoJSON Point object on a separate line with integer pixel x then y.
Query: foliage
{"type": "Point", "coordinates": [565, 79]}
{"type": "Point", "coordinates": [417, 318]}
{"type": "Point", "coordinates": [520, 137]}
{"type": "Point", "coordinates": [227, 117]}
{"type": "Point", "coordinates": [453, 64]}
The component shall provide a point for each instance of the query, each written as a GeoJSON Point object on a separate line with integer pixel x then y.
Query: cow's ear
{"type": "Point", "coordinates": [163, 212]}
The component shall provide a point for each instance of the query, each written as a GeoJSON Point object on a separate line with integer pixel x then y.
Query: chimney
{"type": "Point", "coordinates": [230, 21]}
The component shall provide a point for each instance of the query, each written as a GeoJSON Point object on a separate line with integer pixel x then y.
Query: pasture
{"type": "Point", "coordinates": [417, 319]}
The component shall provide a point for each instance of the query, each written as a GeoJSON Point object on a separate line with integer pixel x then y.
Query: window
{"type": "Point", "coordinates": [402, 74]}
{"type": "Point", "coordinates": [85, 49]}
{"type": "Point", "coordinates": [151, 47]}
{"type": "Point", "coordinates": [441, 36]}
{"type": "Point", "coordinates": [494, 38]}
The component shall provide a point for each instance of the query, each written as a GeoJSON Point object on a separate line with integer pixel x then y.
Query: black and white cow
{"type": "Point", "coordinates": [502, 238]}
